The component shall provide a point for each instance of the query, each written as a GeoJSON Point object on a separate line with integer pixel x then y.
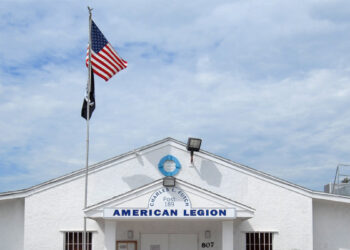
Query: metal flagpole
{"type": "Point", "coordinates": [87, 128]}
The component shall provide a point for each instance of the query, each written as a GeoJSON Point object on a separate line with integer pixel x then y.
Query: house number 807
{"type": "Point", "coordinates": [208, 244]}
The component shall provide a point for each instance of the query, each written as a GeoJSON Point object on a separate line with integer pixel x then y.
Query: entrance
{"type": "Point", "coordinates": [169, 242]}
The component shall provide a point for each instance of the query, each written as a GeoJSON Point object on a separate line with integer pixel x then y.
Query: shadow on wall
{"type": "Point", "coordinates": [138, 180]}
{"type": "Point", "coordinates": [245, 225]}
{"type": "Point", "coordinates": [210, 173]}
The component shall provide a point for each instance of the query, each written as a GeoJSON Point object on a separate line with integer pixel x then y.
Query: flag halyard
{"type": "Point", "coordinates": [105, 61]}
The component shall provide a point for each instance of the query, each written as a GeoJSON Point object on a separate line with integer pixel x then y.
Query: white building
{"type": "Point", "coordinates": [216, 204]}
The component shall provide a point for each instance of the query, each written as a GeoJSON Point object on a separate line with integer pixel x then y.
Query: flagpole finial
{"type": "Point", "coordinates": [90, 10]}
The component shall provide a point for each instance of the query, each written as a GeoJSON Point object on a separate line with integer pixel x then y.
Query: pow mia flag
{"type": "Point", "coordinates": [92, 99]}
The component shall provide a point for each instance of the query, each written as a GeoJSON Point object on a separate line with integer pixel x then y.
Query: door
{"type": "Point", "coordinates": [169, 242]}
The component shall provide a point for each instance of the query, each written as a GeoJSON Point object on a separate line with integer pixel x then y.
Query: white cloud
{"type": "Point", "coordinates": [263, 83]}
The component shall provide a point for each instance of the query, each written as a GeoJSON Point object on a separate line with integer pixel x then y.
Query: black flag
{"type": "Point", "coordinates": [92, 99]}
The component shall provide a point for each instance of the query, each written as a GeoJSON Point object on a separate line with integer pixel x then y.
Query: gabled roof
{"type": "Point", "coordinates": [78, 173]}
{"type": "Point", "coordinates": [170, 141]}
{"type": "Point", "coordinates": [207, 197]}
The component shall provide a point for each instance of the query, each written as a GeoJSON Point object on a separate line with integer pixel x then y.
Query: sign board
{"type": "Point", "coordinates": [169, 203]}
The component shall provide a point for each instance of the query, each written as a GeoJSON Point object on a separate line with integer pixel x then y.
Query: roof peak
{"type": "Point", "coordinates": [221, 160]}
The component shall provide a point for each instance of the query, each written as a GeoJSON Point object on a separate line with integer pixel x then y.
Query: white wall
{"type": "Point", "coordinates": [277, 209]}
{"type": "Point", "coordinates": [11, 224]}
{"type": "Point", "coordinates": [49, 213]}
{"type": "Point", "coordinates": [287, 214]}
{"type": "Point", "coordinates": [331, 225]}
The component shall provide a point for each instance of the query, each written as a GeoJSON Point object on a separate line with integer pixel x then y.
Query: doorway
{"type": "Point", "coordinates": [169, 242]}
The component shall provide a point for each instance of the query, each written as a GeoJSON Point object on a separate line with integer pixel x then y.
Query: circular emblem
{"type": "Point", "coordinates": [173, 197]}
{"type": "Point", "coordinates": [169, 165]}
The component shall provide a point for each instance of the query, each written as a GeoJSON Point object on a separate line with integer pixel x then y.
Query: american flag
{"type": "Point", "coordinates": [105, 61]}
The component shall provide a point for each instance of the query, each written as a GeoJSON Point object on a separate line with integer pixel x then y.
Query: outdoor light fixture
{"type": "Point", "coordinates": [193, 144]}
{"type": "Point", "coordinates": [207, 234]}
{"type": "Point", "coordinates": [169, 181]}
{"type": "Point", "coordinates": [130, 235]}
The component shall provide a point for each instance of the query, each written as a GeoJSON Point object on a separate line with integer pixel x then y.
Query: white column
{"type": "Point", "coordinates": [110, 235]}
{"type": "Point", "coordinates": [227, 235]}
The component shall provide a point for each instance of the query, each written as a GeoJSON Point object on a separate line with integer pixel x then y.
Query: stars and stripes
{"type": "Point", "coordinates": [105, 61]}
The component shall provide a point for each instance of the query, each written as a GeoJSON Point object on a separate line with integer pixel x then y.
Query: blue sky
{"type": "Point", "coordinates": [263, 83]}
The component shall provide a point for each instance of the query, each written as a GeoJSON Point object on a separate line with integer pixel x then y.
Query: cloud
{"type": "Point", "coordinates": [263, 83]}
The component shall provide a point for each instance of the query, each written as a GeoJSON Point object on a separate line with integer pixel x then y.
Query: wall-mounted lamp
{"type": "Point", "coordinates": [193, 144]}
{"type": "Point", "coordinates": [169, 181]}
{"type": "Point", "coordinates": [207, 234]}
{"type": "Point", "coordinates": [130, 235]}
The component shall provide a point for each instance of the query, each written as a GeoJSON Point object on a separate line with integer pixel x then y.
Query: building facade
{"type": "Point", "coordinates": [215, 204]}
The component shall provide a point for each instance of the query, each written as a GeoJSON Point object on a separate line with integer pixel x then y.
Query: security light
{"type": "Point", "coordinates": [130, 235]}
{"type": "Point", "coordinates": [169, 181]}
{"type": "Point", "coordinates": [193, 144]}
{"type": "Point", "coordinates": [207, 234]}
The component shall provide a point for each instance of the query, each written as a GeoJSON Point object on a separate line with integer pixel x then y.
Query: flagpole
{"type": "Point", "coordinates": [87, 128]}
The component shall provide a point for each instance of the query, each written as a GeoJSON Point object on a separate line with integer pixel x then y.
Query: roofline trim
{"type": "Point", "coordinates": [77, 173]}
{"type": "Point", "coordinates": [179, 181]}
{"type": "Point", "coordinates": [224, 161]}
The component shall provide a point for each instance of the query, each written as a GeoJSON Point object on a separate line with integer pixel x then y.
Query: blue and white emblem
{"type": "Point", "coordinates": [169, 165]}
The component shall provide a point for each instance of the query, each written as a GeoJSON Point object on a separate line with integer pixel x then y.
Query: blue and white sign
{"type": "Point", "coordinates": [169, 203]}
{"type": "Point", "coordinates": [128, 213]}
{"type": "Point", "coordinates": [169, 165]}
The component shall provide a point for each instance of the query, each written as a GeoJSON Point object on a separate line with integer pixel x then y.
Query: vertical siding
{"type": "Point", "coordinates": [11, 224]}
{"type": "Point", "coordinates": [331, 225]}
